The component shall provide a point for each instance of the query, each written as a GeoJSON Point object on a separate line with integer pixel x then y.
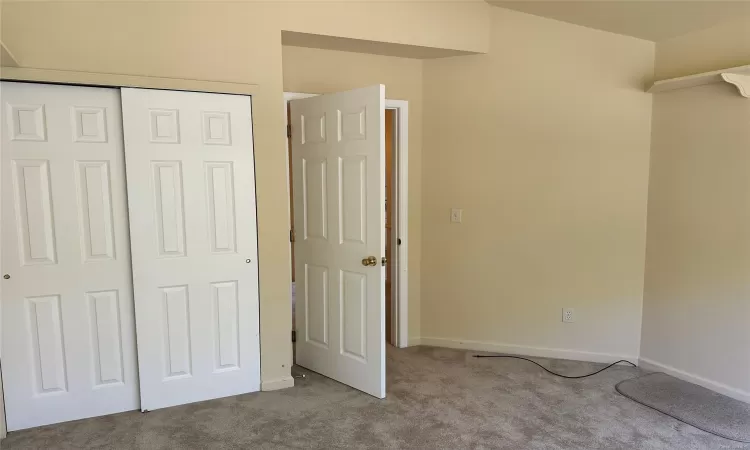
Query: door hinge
{"type": "Point", "coordinates": [399, 241]}
{"type": "Point", "coordinates": [384, 261]}
{"type": "Point", "coordinates": [291, 236]}
{"type": "Point", "coordinates": [289, 131]}
{"type": "Point", "coordinates": [294, 336]}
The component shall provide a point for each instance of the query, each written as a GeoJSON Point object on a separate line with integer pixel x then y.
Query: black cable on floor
{"type": "Point", "coordinates": [553, 373]}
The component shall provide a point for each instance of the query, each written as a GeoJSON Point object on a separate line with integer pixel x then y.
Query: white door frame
{"type": "Point", "coordinates": [400, 285]}
{"type": "Point", "coordinates": [3, 424]}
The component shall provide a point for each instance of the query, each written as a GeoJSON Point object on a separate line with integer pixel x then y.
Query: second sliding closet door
{"type": "Point", "coordinates": [191, 197]}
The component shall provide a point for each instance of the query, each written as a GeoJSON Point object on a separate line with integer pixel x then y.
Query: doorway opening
{"type": "Point", "coordinates": [396, 224]}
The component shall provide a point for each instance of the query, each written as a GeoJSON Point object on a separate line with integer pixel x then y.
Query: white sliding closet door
{"type": "Point", "coordinates": [68, 337]}
{"type": "Point", "coordinates": [191, 194]}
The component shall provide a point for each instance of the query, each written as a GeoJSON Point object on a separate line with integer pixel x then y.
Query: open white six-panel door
{"type": "Point", "coordinates": [338, 163]}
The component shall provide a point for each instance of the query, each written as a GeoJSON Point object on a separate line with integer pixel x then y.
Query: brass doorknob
{"type": "Point", "coordinates": [370, 261]}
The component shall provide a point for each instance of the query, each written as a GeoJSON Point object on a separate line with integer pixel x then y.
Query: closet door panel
{"type": "Point", "coordinates": [191, 191]}
{"type": "Point", "coordinates": [68, 331]}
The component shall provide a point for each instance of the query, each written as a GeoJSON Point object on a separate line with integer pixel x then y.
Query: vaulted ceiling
{"type": "Point", "coordinates": [650, 20]}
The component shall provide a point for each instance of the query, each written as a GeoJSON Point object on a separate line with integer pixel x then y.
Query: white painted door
{"type": "Point", "coordinates": [338, 163]}
{"type": "Point", "coordinates": [191, 195]}
{"type": "Point", "coordinates": [68, 342]}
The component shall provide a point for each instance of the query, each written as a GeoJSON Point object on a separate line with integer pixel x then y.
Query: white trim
{"type": "Point", "coordinates": [401, 281]}
{"type": "Point", "coordinates": [118, 80]}
{"type": "Point", "coordinates": [401, 266]}
{"type": "Point", "coordinates": [290, 96]}
{"type": "Point", "coordinates": [414, 341]}
{"type": "Point", "coordinates": [275, 385]}
{"type": "Point", "coordinates": [735, 393]}
{"type": "Point", "coordinates": [540, 352]}
{"type": "Point", "coordinates": [296, 96]}
{"type": "Point", "coordinates": [738, 76]}
{"type": "Point", "coordinates": [3, 421]}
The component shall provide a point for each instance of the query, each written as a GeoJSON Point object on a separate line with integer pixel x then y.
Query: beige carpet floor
{"type": "Point", "coordinates": [437, 399]}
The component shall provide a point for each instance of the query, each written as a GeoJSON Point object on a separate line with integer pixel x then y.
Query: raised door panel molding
{"type": "Point", "coordinates": [96, 210]}
{"type": "Point", "coordinates": [165, 126]}
{"type": "Point", "coordinates": [351, 125]}
{"type": "Point", "coordinates": [170, 220]}
{"type": "Point", "coordinates": [315, 198]}
{"type": "Point", "coordinates": [221, 213]}
{"type": "Point", "coordinates": [89, 124]}
{"type": "Point", "coordinates": [176, 332]}
{"type": "Point", "coordinates": [353, 306]}
{"type": "Point", "coordinates": [27, 123]}
{"type": "Point", "coordinates": [313, 129]}
{"type": "Point", "coordinates": [226, 329]}
{"type": "Point", "coordinates": [216, 128]}
{"type": "Point", "coordinates": [316, 305]}
{"type": "Point", "coordinates": [106, 335]}
{"type": "Point", "coordinates": [352, 213]}
{"type": "Point", "coordinates": [31, 183]}
{"type": "Point", "coordinates": [45, 329]}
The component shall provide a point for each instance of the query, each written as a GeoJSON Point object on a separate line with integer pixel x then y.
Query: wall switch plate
{"type": "Point", "coordinates": [568, 315]}
{"type": "Point", "coordinates": [456, 215]}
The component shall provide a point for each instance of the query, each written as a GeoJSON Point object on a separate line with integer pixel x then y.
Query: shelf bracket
{"type": "Point", "coordinates": [741, 82]}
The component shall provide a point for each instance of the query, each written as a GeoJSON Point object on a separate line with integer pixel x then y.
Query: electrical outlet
{"type": "Point", "coordinates": [568, 315]}
{"type": "Point", "coordinates": [456, 215]}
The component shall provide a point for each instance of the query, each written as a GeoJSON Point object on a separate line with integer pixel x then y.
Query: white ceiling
{"type": "Point", "coordinates": [651, 20]}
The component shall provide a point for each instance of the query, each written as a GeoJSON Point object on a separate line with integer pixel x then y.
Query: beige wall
{"type": "Point", "coordinates": [320, 71]}
{"type": "Point", "coordinates": [696, 318]}
{"type": "Point", "coordinates": [544, 143]}
{"type": "Point", "coordinates": [453, 24]}
{"type": "Point", "coordinates": [719, 47]}
{"type": "Point", "coordinates": [234, 42]}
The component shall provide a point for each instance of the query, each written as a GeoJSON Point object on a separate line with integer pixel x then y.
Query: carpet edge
{"type": "Point", "coordinates": [721, 388]}
{"type": "Point", "coordinates": [721, 435]}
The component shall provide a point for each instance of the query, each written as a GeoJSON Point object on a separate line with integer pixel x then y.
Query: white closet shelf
{"type": "Point", "coordinates": [737, 76]}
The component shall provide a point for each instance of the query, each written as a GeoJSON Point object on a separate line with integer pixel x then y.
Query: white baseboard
{"type": "Point", "coordinates": [414, 341]}
{"type": "Point", "coordinates": [721, 388]}
{"type": "Point", "coordinates": [275, 385]}
{"type": "Point", "coordinates": [541, 352]}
